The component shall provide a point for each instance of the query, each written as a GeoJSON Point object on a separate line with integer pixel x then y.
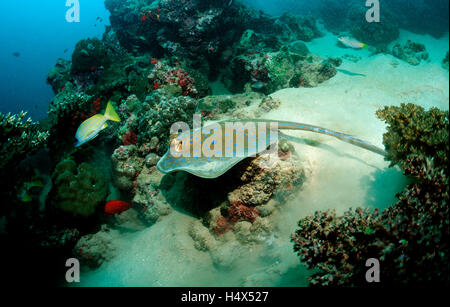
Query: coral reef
{"type": "Point", "coordinates": [155, 63]}
{"type": "Point", "coordinates": [399, 237]}
{"type": "Point", "coordinates": [188, 34]}
{"type": "Point", "coordinates": [19, 138]}
{"type": "Point", "coordinates": [410, 52]}
{"type": "Point", "coordinates": [413, 130]}
{"type": "Point", "coordinates": [349, 16]}
{"type": "Point", "coordinates": [409, 238]}
{"type": "Point", "coordinates": [59, 75]}
{"type": "Point", "coordinates": [77, 189]}
{"type": "Point", "coordinates": [269, 72]}
{"type": "Point", "coordinates": [152, 119]}
{"type": "Point", "coordinates": [175, 80]}
{"type": "Point", "coordinates": [126, 166]}
{"type": "Point", "coordinates": [89, 55]}
{"type": "Point", "coordinates": [253, 188]}
{"type": "Point", "coordinates": [191, 29]}
{"type": "Point", "coordinates": [134, 172]}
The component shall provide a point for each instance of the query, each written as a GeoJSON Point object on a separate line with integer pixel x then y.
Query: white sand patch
{"type": "Point", "coordinates": [341, 176]}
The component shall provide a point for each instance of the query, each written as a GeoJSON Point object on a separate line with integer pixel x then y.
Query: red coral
{"type": "Point", "coordinates": [239, 211]}
{"type": "Point", "coordinates": [182, 79]}
{"type": "Point", "coordinates": [129, 138]}
{"type": "Point", "coordinates": [96, 106]}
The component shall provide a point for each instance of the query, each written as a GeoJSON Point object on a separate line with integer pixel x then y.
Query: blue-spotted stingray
{"type": "Point", "coordinates": [207, 166]}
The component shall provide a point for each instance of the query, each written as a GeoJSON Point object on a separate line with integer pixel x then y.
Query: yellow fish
{"type": "Point", "coordinates": [91, 127]}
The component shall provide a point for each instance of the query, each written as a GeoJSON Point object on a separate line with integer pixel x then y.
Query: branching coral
{"type": "Point", "coordinates": [412, 130]}
{"type": "Point", "coordinates": [336, 246]}
{"type": "Point", "coordinates": [18, 139]}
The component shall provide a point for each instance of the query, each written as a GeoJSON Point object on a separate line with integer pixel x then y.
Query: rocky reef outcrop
{"type": "Point", "coordinates": [151, 119]}
{"type": "Point", "coordinates": [269, 72]}
{"type": "Point", "coordinates": [350, 17]}
{"type": "Point", "coordinates": [77, 189]}
{"type": "Point", "coordinates": [94, 249]}
{"type": "Point", "coordinates": [410, 52]}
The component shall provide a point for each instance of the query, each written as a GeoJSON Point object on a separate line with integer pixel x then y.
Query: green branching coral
{"type": "Point", "coordinates": [412, 130]}
{"type": "Point", "coordinates": [18, 138]}
{"type": "Point", "coordinates": [77, 189]}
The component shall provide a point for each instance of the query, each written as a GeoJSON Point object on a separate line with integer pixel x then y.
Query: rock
{"type": "Point", "coordinates": [77, 189]}
{"type": "Point", "coordinates": [269, 208]}
{"type": "Point", "coordinates": [94, 249]}
{"type": "Point", "coordinates": [225, 255]}
{"type": "Point", "coordinates": [151, 159]}
{"type": "Point", "coordinates": [126, 166]}
{"type": "Point", "coordinates": [203, 240]}
{"type": "Point", "coordinates": [410, 52]}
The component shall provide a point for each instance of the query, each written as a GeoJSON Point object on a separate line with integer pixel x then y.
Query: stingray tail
{"type": "Point", "coordinates": [341, 136]}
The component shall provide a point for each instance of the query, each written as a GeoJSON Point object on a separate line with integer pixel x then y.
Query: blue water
{"type": "Point", "coordinates": [38, 30]}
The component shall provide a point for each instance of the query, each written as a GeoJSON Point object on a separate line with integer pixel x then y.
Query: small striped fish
{"type": "Point", "coordinates": [91, 127]}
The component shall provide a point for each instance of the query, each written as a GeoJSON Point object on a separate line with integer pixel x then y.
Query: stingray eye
{"type": "Point", "coordinates": [179, 146]}
{"type": "Point", "coordinates": [176, 145]}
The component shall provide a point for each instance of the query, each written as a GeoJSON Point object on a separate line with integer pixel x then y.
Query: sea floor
{"type": "Point", "coordinates": [339, 176]}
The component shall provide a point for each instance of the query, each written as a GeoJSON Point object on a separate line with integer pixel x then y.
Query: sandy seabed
{"type": "Point", "coordinates": [339, 176]}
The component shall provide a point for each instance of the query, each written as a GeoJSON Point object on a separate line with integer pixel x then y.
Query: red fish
{"type": "Point", "coordinates": [144, 18]}
{"type": "Point", "coordinates": [155, 85]}
{"type": "Point", "coordinates": [116, 207]}
{"type": "Point", "coordinates": [153, 61]}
